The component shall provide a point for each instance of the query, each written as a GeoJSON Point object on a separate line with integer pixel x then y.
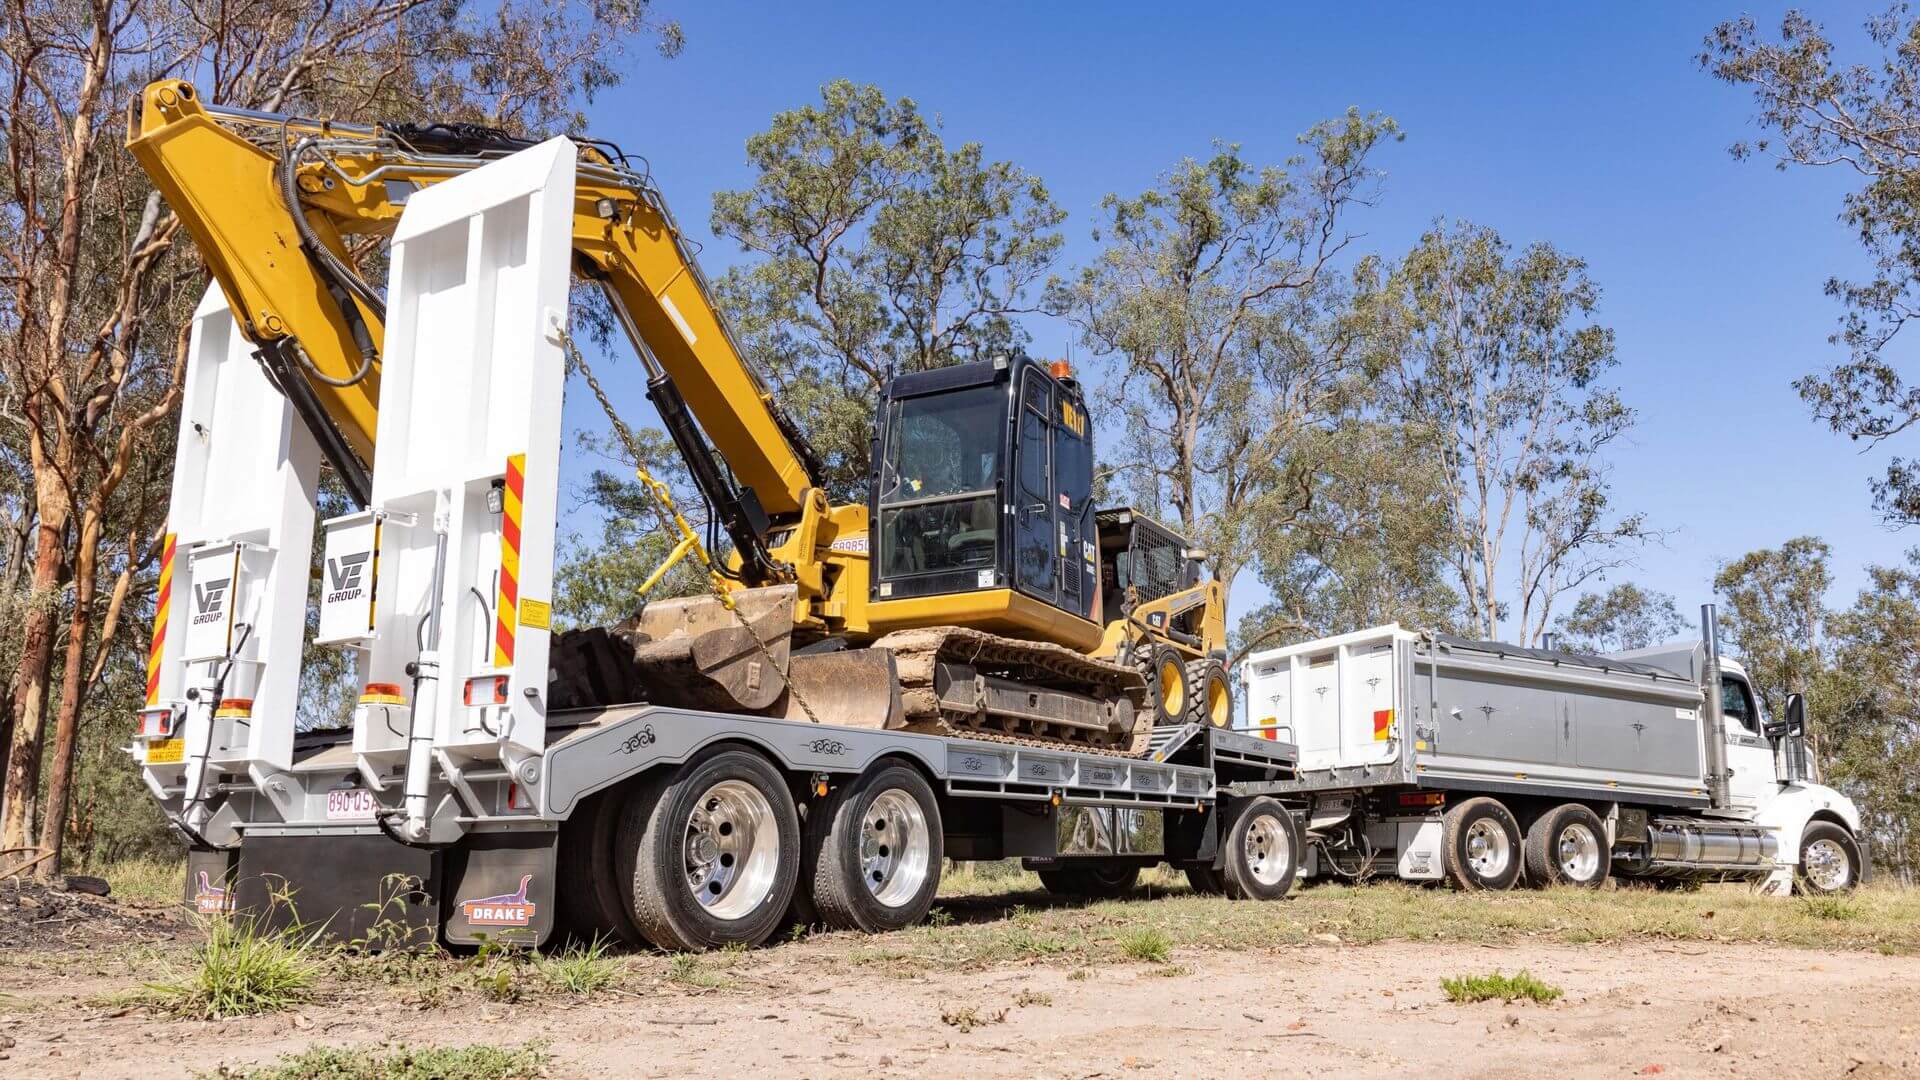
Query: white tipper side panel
{"type": "Point", "coordinates": [470, 399]}
{"type": "Point", "coordinates": [1326, 695]}
{"type": "Point", "coordinates": [240, 534]}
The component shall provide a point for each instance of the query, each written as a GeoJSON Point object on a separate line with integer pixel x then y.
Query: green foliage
{"type": "Point", "coordinates": [242, 969]}
{"type": "Point", "coordinates": [1366, 549]}
{"type": "Point", "coordinates": [402, 1063]}
{"type": "Point", "coordinates": [1496, 355]}
{"type": "Point", "coordinates": [879, 247]}
{"type": "Point", "coordinates": [597, 581]}
{"type": "Point", "coordinates": [1775, 616]}
{"type": "Point", "coordinates": [1831, 908]}
{"type": "Point", "coordinates": [1863, 117]}
{"type": "Point", "coordinates": [1147, 943]}
{"type": "Point", "coordinates": [1466, 989]}
{"type": "Point", "coordinates": [1224, 329]}
{"type": "Point", "coordinates": [580, 970]}
{"type": "Point", "coordinates": [1622, 618]}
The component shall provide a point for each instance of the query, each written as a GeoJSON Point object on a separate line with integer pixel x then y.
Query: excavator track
{"type": "Point", "coordinates": [1010, 666]}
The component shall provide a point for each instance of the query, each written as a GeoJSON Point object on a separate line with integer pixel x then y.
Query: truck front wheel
{"type": "Point", "coordinates": [1568, 846]}
{"type": "Point", "coordinates": [1829, 859]}
{"type": "Point", "coordinates": [1482, 845]}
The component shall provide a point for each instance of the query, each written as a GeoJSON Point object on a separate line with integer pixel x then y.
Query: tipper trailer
{"type": "Point", "coordinates": [1430, 757]}
{"type": "Point", "coordinates": [974, 665]}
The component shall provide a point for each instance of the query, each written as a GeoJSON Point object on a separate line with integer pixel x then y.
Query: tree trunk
{"type": "Point", "coordinates": [73, 693]}
{"type": "Point", "coordinates": [36, 657]}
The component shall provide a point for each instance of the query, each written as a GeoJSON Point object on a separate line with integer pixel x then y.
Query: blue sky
{"type": "Point", "coordinates": [1590, 128]}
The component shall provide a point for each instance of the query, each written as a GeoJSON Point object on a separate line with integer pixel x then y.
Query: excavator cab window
{"type": "Point", "coordinates": [940, 482]}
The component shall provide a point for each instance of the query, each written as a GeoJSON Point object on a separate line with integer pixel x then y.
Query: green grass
{"type": "Point", "coordinates": [1147, 943]}
{"type": "Point", "coordinates": [1467, 989]}
{"type": "Point", "coordinates": [241, 969]}
{"type": "Point", "coordinates": [402, 1063]}
{"type": "Point", "coordinates": [1831, 908]}
{"type": "Point", "coordinates": [144, 881]}
{"type": "Point", "coordinates": [580, 970]}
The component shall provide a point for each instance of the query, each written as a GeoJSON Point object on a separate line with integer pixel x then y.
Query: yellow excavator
{"type": "Point", "coordinates": [976, 591]}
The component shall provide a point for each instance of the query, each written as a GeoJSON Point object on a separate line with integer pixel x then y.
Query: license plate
{"type": "Point", "coordinates": [352, 804]}
{"type": "Point", "coordinates": [166, 751]}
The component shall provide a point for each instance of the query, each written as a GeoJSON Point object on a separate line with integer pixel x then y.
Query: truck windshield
{"type": "Point", "coordinates": [939, 505]}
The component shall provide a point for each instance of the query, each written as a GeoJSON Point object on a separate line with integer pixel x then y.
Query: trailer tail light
{"type": "Point", "coordinates": [1422, 798]}
{"type": "Point", "coordinates": [485, 690]}
{"type": "Point", "coordinates": [156, 723]}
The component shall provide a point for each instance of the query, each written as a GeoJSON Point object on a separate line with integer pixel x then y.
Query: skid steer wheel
{"type": "Point", "coordinates": [1481, 845]}
{"type": "Point", "coordinates": [1568, 846]}
{"type": "Point", "coordinates": [873, 849]}
{"type": "Point", "coordinates": [1166, 675]}
{"type": "Point", "coordinates": [1093, 882]}
{"type": "Point", "coordinates": [1210, 696]}
{"type": "Point", "coordinates": [1829, 859]}
{"type": "Point", "coordinates": [714, 852]}
{"type": "Point", "coordinates": [1262, 851]}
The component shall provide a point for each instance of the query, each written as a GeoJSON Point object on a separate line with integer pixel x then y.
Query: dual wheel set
{"type": "Point", "coordinates": [1185, 691]}
{"type": "Point", "coordinates": [716, 853]}
{"type": "Point", "coordinates": [1485, 848]}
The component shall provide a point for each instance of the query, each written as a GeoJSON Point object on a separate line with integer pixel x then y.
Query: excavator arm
{"type": "Point", "coordinates": [276, 204]}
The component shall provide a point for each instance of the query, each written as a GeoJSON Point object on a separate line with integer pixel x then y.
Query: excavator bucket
{"type": "Point", "coordinates": [693, 652]}
{"type": "Point", "coordinates": [853, 687]}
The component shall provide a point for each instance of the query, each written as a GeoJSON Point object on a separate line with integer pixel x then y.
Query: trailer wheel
{"type": "Point", "coordinates": [1092, 882]}
{"type": "Point", "coordinates": [1482, 845]}
{"type": "Point", "coordinates": [1206, 881]}
{"type": "Point", "coordinates": [1263, 851]}
{"type": "Point", "coordinates": [1829, 859]}
{"type": "Point", "coordinates": [1211, 697]}
{"type": "Point", "coordinates": [1568, 846]}
{"type": "Point", "coordinates": [715, 853]}
{"type": "Point", "coordinates": [873, 849]}
{"type": "Point", "coordinates": [589, 884]}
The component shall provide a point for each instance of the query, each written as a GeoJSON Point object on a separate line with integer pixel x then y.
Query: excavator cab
{"type": "Point", "coordinates": [982, 501]}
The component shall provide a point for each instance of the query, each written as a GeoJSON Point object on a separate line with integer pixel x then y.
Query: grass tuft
{"type": "Point", "coordinates": [1832, 908]}
{"type": "Point", "coordinates": [401, 1063]}
{"type": "Point", "coordinates": [241, 969]}
{"type": "Point", "coordinates": [1497, 987]}
{"type": "Point", "coordinates": [1148, 943]}
{"type": "Point", "coordinates": [581, 970]}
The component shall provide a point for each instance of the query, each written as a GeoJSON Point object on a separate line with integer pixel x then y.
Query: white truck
{"type": "Point", "coordinates": [1430, 757]}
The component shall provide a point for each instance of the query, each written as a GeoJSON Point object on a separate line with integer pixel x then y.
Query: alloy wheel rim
{"type": "Point", "coordinates": [1579, 852]}
{"type": "Point", "coordinates": [1173, 688]}
{"type": "Point", "coordinates": [1826, 864]}
{"type": "Point", "coordinates": [1269, 850]}
{"type": "Point", "coordinates": [731, 852]}
{"type": "Point", "coordinates": [895, 848]}
{"type": "Point", "coordinates": [1489, 850]}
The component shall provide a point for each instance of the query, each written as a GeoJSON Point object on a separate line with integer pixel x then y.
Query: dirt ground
{"type": "Point", "coordinates": [1638, 1008]}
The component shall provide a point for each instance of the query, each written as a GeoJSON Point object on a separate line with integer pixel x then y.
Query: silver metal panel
{"type": "Point", "coordinates": [1103, 830]}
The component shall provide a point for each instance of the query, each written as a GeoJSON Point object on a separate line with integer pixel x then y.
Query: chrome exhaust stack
{"type": "Point", "coordinates": [1713, 717]}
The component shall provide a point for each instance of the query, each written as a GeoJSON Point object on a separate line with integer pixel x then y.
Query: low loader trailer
{"type": "Point", "coordinates": [1429, 757]}
{"type": "Point", "coordinates": [811, 742]}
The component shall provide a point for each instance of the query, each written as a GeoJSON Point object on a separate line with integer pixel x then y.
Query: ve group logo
{"type": "Point", "coordinates": [345, 575]}
{"type": "Point", "coordinates": [208, 600]}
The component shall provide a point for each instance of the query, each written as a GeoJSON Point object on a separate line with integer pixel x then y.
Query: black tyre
{"type": "Point", "coordinates": [1829, 859]}
{"type": "Point", "coordinates": [1262, 851]}
{"type": "Point", "coordinates": [1166, 674]}
{"type": "Point", "coordinates": [591, 898]}
{"type": "Point", "coordinates": [713, 852]}
{"type": "Point", "coordinates": [1210, 696]}
{"type": "Point", "coordinates": [1092, 882]}
{"type": "Point", "coordinates": [1206, 881]}
{"type": "Point", "coordinates": [1481, 845]}
{"type": "Point", "coordinates": [1568, 846]}
{"type": "Point", "coordinates": [874, 851]}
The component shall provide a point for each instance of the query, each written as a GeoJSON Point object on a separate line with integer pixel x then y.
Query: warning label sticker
{"type": "Point", "coordinates": [167, 751]}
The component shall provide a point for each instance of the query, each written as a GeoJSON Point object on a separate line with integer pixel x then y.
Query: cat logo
{"type": "Point", "coordinates": [344, 575]}
{"type": "Point", "coordinates": [207, 600]}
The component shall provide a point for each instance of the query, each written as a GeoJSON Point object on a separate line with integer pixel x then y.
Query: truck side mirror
{"type": "Point", "coordinates": [1796, 715]}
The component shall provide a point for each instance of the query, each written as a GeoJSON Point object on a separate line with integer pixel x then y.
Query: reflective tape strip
{"type": "Point", "coordinates": [162, 603]}
{"type": "Point", "coordinates": [506, 621]}
{"type": "Point", "coordinates": [1382, 724]}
